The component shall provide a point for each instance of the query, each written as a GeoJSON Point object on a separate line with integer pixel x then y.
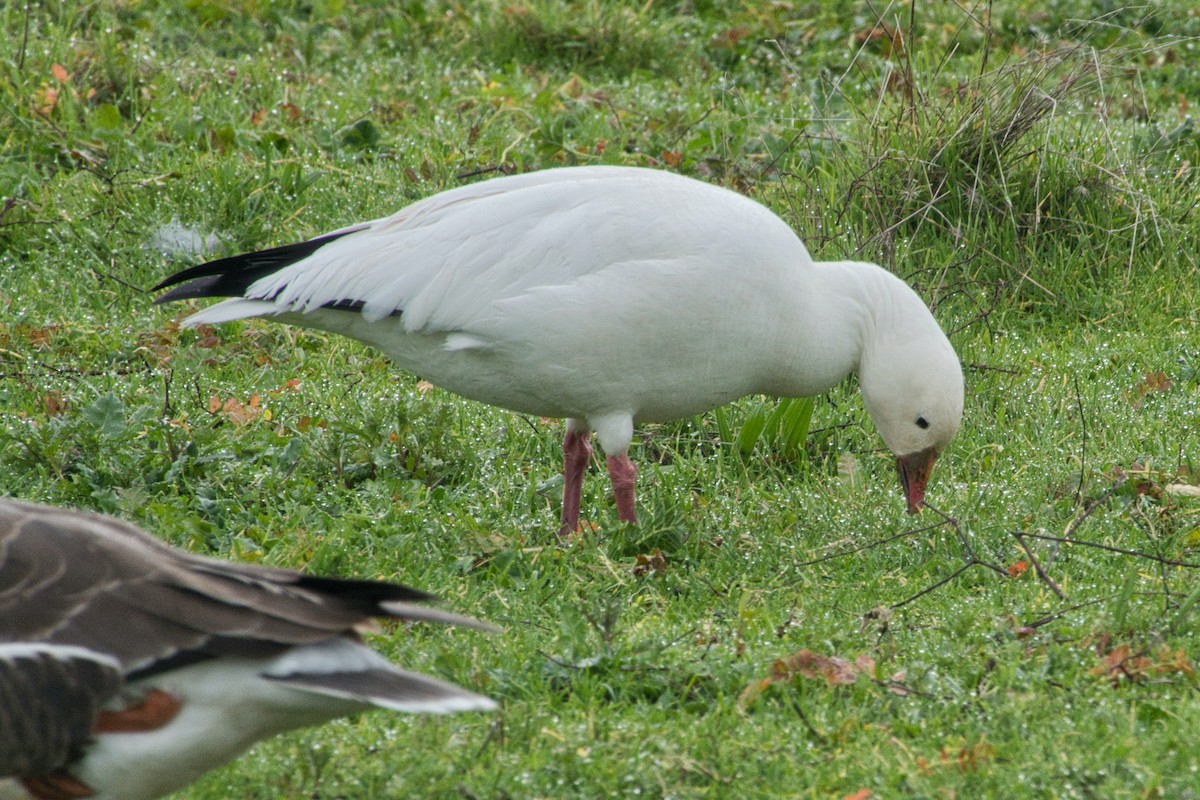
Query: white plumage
{"type": "Point", "coordinates": [609, 296]}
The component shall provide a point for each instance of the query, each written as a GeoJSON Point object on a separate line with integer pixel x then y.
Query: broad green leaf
{"type": "Point", "coordinates": [107, 414]}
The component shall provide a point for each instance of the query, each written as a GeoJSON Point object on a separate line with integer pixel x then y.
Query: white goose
{"type": "Point", "coordinates": [609, 296]}
{"type": "Point", "coordinates": [128, 668]}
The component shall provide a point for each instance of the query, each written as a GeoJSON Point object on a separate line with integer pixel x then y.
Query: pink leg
{"type": "Point", "coordinates": [577, 451]}
{"type": "Point", "coordinates": [623, 474]}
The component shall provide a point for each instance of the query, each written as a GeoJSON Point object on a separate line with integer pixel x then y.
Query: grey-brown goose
{"type": "Point", "coordinates": [128, 668]}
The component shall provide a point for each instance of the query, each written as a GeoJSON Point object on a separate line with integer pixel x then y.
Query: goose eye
{"type": "Point", "coordinates": [922, 423]}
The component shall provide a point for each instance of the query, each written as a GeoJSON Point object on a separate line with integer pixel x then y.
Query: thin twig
{"type": "Point", "coordinates": [1091, 507]}
{"type": "Point", "coordinates": [1038, 567]}
{"type": "Point", "coordinates": [462, 176]}
{"type": "Point", "coordinates": [167, 411]}
{"type": "Point", "coordinates": [937, 585]}
{"type": "Point", "coordinates": [868, 546]}
{"type": "Point", "coordinates": [24, 38]}
{"type": "Point", "coordinates": [1046, 620]}
{"type": "Point", "coordinates": [1159, 559]}
{"type": "Point", "coordinates": [804, 718]}
{"type": "Point", "coordinates": [709, 584]}
{"type": "Point", "coordinates": [142, 117]}
{"type": "Point", "coordinates": [9, 204]}
{"type": "Point", "coordinates": [115, 279]}
{"type": "Point", "coordinates": [1083, 446]}
{"type": "Point", "coordinates": [971, 557]}
{"type": "Point", "coordinates": [990, 368]}
{"type": "Point", "coordinates": [1088, 510]}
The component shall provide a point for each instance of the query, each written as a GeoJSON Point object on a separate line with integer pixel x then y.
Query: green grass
{"type": "Point", "coordinates": [1029, 166]}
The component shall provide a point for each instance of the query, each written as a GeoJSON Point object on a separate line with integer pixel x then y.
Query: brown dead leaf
{"type": "Point", "coordinates": [238, 413]}
{"type": "Point", "coordinates": [1150, 383]}
{"type": "Point", "coordinates": [257, 116]}
{"type": "Point", "coordinates": [1156, 382]}
{"type": "Point", "coordinates": [968, 759]}
{"type": "Point", "coordinates": [208, 338]}
{"type": "Point", "coordinates": [45, 99]}
{"type": "Point", "coordinates": [572, 89]}
{"type": "Point", "coordinates": [235, 411]}
{"type": "Point", "coordinates": [54, 405]}
{"type": "Point", "coordinates": [965, 759]}
{"type": "Point", "coordinates": [888, 39]}
{"type": "Point", "coordinates": [752, 692]}
{"type": "Point", "coordinates": [1123, 663]}
{"type": "Point", "coordinates": [1173, 661]}
{"type": "Point", "coordinates": [305, 423]}
{"type": "Point", "coordinates": [86, 156]}
{"type": "Point", "coordinates": [40, 337]}
{"type": "Point", "coordinates": [653, 562]}
{"type": "Point", "coordinates": [1142, 479]}
{"type": "Point", "coordinates": [879, 617]}
{"type": "Point", "coordinates": [731, 37]}
{"type": "Point", "coordinates": [835, 671]}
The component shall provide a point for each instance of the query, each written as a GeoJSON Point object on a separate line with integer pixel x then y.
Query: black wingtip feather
{"type": "Point", "coordinates": [366, 594]}
{"type": "Point", "coordinates": [232, 276]}
{"type": "Point", "coordinates": [200, 287]}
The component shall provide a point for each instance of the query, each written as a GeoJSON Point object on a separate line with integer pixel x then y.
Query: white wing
{"type": "Point", "coordinates": [454, 261]}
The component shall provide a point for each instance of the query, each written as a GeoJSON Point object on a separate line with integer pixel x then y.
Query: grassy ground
{"type": "Point", "coordinates": [778, 627]}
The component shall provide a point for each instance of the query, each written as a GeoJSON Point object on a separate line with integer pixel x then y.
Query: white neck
{"type": "Point", "coordinates": [845, 310]}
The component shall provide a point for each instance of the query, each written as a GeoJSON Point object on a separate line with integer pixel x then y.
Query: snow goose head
{"type": "Point", "coordinates": [917, 409]}
{"type": "Point", "coordinates": [912, 386]}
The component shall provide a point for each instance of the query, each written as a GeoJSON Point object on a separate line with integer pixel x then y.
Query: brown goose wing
{"type": "Point", "coordinates": [49, 698]}
{"type": "Point", "coordinates": [71, 577]}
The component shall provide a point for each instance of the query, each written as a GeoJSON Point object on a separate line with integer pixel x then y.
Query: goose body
{"type": "Point", "coordinates": [128, 668]}
{"type": "Point", "coordinates": [608, 296]}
